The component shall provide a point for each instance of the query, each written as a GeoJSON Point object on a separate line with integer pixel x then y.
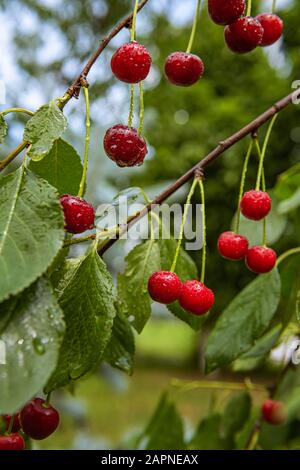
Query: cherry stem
{"type": "Point", "coordinates": [131, 106]}
{"type": "Point", "coordinates": [263, 184]}
{"type": "Point", "coordinates": [17, 110]}
{"type": "Point", "coordinates": [187, 386]}
{"type": "Point", "coordinates": [47, 401]}
{"type": "Point", "coordinates": [242, 186]}
{"type": "Point", "coordinates": [194, 28]}
{"type": "Point", "coordinates": [185, 213]}
{"type": "Point", "coordinates": [10, 426]}
{"type": "Point", "coordinates": [201, 185]}
{"type": "Point", "coordinates": [87, 142]}
{"type": "Point", "coordinates": [253, 440]}
{"type": "Point", "coordinates": [249, 5]}
{"type": "Point", "coordinates": [133, 24]}
{"type": "Point", "coordinates": [12, 155]}
{"type": "Point", "coordinates": [142, 108]}
{"type": "Point", "coordinates": [273, 6]}
{"type": "Point", "coordinates": [286, 254]}
{"type": "Point", "coordinates": [262, 153]}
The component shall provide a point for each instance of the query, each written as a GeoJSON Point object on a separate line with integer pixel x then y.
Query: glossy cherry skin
{"type": "Point", "coordinates": [255, 205]}
{"type": "Point", "coordinates": [12, 442]}
{"type": "Point", "coordinates": [261, 259]}
{"type": "Point", "coordinates": [79, 214]}
{"type": "Point", "coordinates": [125, 146]}
{"type": "Point", "coordinates": [183, 69]}
{"type": "Point", "coordinates": [196, 298]}
{"type": "Point", "coordinates": [274, 412]}
{"type": "Point", "coordinates": [16, 423]}
{"type": "Point", "coordinates": [39, 421]}
{"type": "Point", "coordinates": [273, 27]}
{"type": "Point", "coordinates": [131, 63]}
{"type": "Point", "coordinates": [232, 246]}
{"type": "Point", "coordinates": [244, 35]}
{"type": "Point", "coordinates": [226, 12]}
{"type": "Point", "coordinates": [164, 287]}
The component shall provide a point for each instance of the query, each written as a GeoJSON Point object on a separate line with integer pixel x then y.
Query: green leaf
{"type": "Point", "coordinates": [61, 167]}
{"type": "Point", "coordinates": [290, 281]}
{"type": "Point", "coordinates": [31, 230]}
{"type": "Point", "coordinates": [3, 128]}
{"type": "Point", "coordinates": [290, 204]}
{"type": "Point", "coordinates": [208, 435]}
{"type": "Point", "coordinates": [47, 125]}
{"type": "Point", "coordinates": [134, 299]}
{"type": "Point", "coordinates": [32, 337]}
{"type": "Point", "coordinates": [252, 358]}
{"type": "Point", "coordinates": [236, 413]}
{"type": "Point", "coordinates": [186, 269]}
{"type": "Point", "coordinates": [86, 296]}
{"type": "Point", "coordinates": [288, 182]}
{"type": "Point", "coordinates": [120, 350]}
{"type": "Point", "coordinates": [244, 321]}
{"type": "Point", "coordinates": [288, 391]}
{"type": "Point", "coordinates": [165, 430]}
{"type": "Point", "coordinates": [276, 225]}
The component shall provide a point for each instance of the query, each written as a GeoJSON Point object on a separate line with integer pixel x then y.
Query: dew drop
{"type": "Point", "coordinates": [38, 346]}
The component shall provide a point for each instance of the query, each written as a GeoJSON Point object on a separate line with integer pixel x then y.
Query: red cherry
{"type": "Point", "coordinates": [183, 69]}
{"type": "Point", "coordinates": [164, 287]}
{"type": "Point", "coordinates": [273, 27]}
{"type": "Point", "coordinates": [16, 423]}
{"type": "Point", "coordinates": [232, 246]}
{"type": "Point", "coordinates": [79, 214]}
{"type": "Point", "coordinates": [274, 412]}
{"type": "Point", "coordinates": [196, 298]}
{"type": "Point", "coordinates": [244, 35]}
{"type": "Point", "coordinates": [261, 259]}
{"type": "Point", "coordinates": [39, 420]}
{"type": "Point", "coordinates": [226, 12]}
{"type": "Point", "coordinates": [255, 205]}
{"type": "Point", "coordinates": [12, 442]}
{"type": "Point", "coordinates": [131, 62]}
{"type": "Point", "coordinates": [125, 146]}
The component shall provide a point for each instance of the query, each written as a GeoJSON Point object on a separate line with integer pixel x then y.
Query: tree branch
{"type": "Point", "coordinates": [207, 160]}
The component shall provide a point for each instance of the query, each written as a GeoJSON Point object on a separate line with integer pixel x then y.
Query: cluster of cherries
{"type": "Point", "coordinates": [255, 205]}
{"type": "Point", "coordinates": [244, 33]}
{"type": "Point", "coordinates": [131, 64]}
{"type": "Point", "coordinates": [38, 420]}
{"type": "Point", "coordinates": [166, 287]}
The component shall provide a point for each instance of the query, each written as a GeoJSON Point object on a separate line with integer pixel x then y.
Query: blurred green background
{"type": "Point", "coordinates": [44, 44]}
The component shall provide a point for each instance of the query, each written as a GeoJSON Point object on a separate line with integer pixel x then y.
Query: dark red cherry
{"type": "Point", "coordinates": [225, 12]}
{"type": "Point", "coordinates": [183, 69]}
{"type": "Point", "coordinates": [79, 214]}
{"type": "Point", "coordinates": [273, 27]}
{"type": "Point", "coordinates": [38, 419]}
{"type": "Point", "coordinates": [131, 62]}
{"type": "Point", "coordinates": [196, 298]}
{"type": "Point", "coordinates": [12, 442]}
{"type": "Point", "coordinates": [164, 287]}
{"type": "Point", "coordinates": [244, 35]}
{"type": "Point", "coordinates": [125, 146]}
